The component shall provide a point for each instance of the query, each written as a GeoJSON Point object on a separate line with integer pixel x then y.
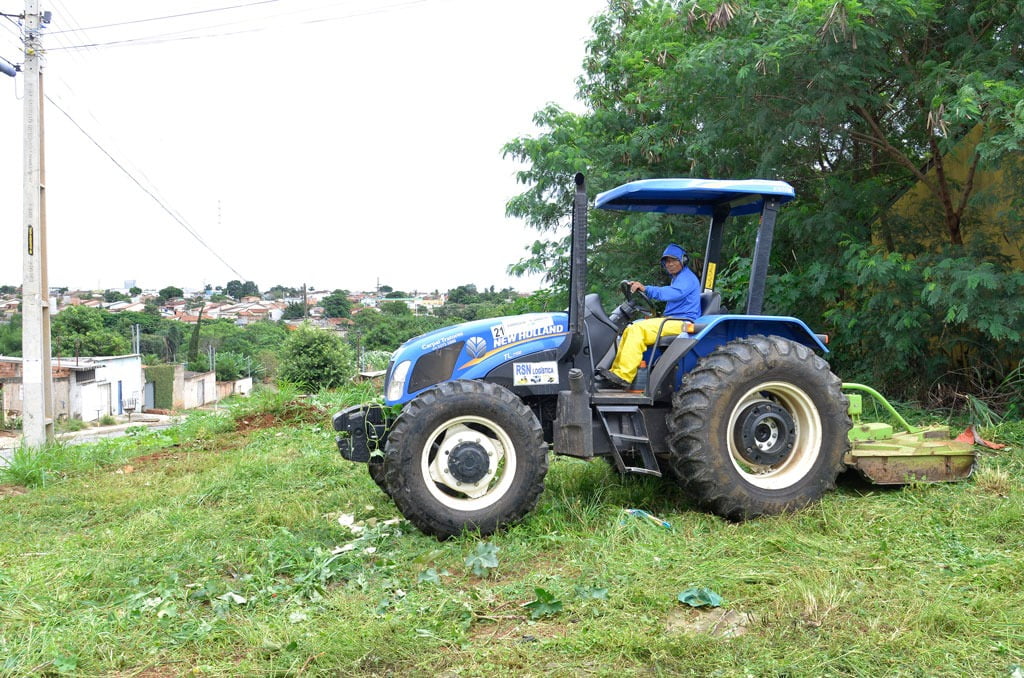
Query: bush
{"type": "Point", "coordinates": [907, 323]}
{"type": "Point", "coordinates": [231, 366]}
{"type": "Point", "coordinates": [375, 360]}
{"type": "Point", "coordinates": [313, 359]}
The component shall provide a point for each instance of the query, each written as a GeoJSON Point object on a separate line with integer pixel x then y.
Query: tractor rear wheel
{"type": "Point", "coordinates": [760, 426]}
{"type": "Point", "coordinates": [465, 455]}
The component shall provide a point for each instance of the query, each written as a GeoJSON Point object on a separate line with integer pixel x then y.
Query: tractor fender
{"type": "Point", "coordinates": [710, 332]}
{"type": "Point", "coordinates": [716, 330]}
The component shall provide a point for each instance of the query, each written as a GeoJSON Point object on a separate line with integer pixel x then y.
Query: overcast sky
{"type": "Point", "coordinates": [336, 143]}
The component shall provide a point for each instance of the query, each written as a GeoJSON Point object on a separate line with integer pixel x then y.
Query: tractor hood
{"type": "Point", "coordinates": [470, 351]}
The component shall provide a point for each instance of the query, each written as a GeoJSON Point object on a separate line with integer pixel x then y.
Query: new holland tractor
{"type": "Point", "coordinates": [740, 408]}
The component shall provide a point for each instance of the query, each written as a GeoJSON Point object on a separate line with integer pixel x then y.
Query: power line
{"type": "Point", "coordinates": [175, 16]}
{"type": "Point", "coordinates": [173, 214]}
{"type": "Point", "coordinates": [182, 35]}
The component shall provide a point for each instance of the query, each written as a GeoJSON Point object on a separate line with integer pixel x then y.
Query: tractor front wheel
{"type": "Point", "coordinates": [760, 426]}
{"type": "Point", "coordinates": [465, 455]}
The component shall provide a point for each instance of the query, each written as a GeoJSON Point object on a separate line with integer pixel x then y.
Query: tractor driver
{"type": "Point", "coordinates": [682, 297]}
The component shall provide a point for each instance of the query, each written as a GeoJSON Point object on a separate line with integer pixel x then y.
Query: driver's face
{"type": "Point", "coordinates": [672, 265]}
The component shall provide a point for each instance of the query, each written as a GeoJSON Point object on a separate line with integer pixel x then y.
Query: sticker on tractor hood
{"type": "Point", "coordinates": [440, 342]}
{"type": "Point", "coordinates": [511, 332]}
{"type": "Point", "coordinates": [534, 374]}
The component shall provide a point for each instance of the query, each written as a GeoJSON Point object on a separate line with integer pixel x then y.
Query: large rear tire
{"type": "Point", "coordinates": [760, 426]}
{"type": "Point", "coordinates": [465, 455]}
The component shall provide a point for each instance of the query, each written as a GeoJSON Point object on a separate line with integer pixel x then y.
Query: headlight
{"type": "Point", "coordinates": [396, 382]}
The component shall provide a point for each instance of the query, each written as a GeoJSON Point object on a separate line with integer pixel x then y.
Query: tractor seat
{"type": "Point", "coordinates": [711, 303]}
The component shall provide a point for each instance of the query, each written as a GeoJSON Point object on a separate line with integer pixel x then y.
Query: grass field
{"type": "Point", "coordinates": [242, 544]}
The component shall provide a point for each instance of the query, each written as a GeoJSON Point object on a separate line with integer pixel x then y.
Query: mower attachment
{"type": "Point", "coordinates": [887, 457]}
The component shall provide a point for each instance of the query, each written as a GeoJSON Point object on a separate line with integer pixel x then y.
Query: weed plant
{"type": "Point", "coordinates": [226, 548]}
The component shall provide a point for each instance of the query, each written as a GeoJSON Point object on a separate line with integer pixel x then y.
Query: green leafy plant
{"type": "Point", "coordinates": [700, 597]}
{"type": "Point", "coordinates": [545, 604]}
{"type": "Point", "coordinates": [71, 425]}
{"type": "Point", "coordinates": [483, 559]}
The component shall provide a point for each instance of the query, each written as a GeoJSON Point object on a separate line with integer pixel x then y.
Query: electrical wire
{"type": "Point", "coordinates": [171, 212]}
{"type": "Point", "coordinates": [176, 16]}
{"type": "Point", "coordinates": [183, 34]}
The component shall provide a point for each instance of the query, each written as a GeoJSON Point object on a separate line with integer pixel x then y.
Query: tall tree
{"type": "Point", "coordinates": [193, 342]}
{"type": "Point", "coordinates": [171, 292]}
{"type": "Point", "coordinates": [852, 102]}
{"type": "Point", "coordinates": [80, 330]}
{"type": "Point", "coordinates": [337, 305]}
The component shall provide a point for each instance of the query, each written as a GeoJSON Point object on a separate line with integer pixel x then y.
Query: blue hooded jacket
{"type": "Point", "coordinates": [682, 295]}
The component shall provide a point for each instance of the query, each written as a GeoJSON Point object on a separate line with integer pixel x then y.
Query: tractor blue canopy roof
{"type": "Point", "coordinates": [694, 196]}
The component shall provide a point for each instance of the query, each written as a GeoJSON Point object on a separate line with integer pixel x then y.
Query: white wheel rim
{"type": "Point", "coordinates": [445, 487]}
{"type": "Point", "coordinates": [807, 424]}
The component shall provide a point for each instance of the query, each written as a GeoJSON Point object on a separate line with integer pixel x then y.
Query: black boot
{"type": "Point", "coordinates": [612, 380]}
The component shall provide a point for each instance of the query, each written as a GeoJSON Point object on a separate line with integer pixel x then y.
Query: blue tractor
{"type": "Point", "coordinates": [740, 409]}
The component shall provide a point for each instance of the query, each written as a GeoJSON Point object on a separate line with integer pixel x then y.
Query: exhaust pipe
{"type": "Point", "coordinates": [577, 266]}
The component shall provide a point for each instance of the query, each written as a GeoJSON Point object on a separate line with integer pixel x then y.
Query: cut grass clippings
{"type": "Point", "coordinates": [240, 543]}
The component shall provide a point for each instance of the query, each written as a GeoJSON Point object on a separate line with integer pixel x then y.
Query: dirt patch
{"type": "Point", "coordinates": [717, 622]}
{"type": "Point", "coordinates": [256, 422]}
{"type": "Point", "coordinates": [293, 412]}
{"type": "Point", "coordinates": [153, 671]}
{"type": "Point", "coordinates": [514, 629]}
{"type": "Point", "coordinates": [12, 490]}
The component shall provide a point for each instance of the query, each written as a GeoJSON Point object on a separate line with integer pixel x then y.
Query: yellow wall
{"type": "Point", "coordinates": [919, 204]}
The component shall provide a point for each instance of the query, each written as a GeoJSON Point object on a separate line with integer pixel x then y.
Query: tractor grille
{"type": "Point", "coordinates": [434, 367]}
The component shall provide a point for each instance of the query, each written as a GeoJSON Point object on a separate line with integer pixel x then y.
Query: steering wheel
{"type": "Point", "coordinates": [638, 299]}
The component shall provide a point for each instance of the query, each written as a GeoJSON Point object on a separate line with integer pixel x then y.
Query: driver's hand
{"type": "Point", "coordinates": [634, 286]}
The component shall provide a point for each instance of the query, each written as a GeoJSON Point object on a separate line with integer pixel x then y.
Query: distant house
{"type": "Point", "coordinates": [8, 307]}
{"type": "Point", "coordinates": [83, 388]}
{"type": "Point", "coordinates": [126, 306]}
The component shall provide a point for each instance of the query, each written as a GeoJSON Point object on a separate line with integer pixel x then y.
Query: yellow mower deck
{"type": "Point", "coordinates": [887, 457]}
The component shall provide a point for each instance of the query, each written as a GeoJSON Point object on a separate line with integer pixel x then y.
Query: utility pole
{"type": "Point", "coordinates": [36, 378]}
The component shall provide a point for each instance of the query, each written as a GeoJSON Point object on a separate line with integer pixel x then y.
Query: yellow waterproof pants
{"type": "Point", "coordinates": [635, 340]}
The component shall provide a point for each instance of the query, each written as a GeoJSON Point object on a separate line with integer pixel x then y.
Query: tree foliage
{"type": "Point", "coordinates": [852, 103]}
{"type": "Point", "coordinates": [314, 359]}
{"type": "Point", "coordinates": [372, 331]}
{"type": "Point", "coordinates": [337, 305]}
{"type": "Point", "coordinates": [10, 336]}
{"type": "Point", "coordinates": [238, 289]}
{"type": "Point", "coordinates": [294, 311]}
{"type": "Point", "coordinates": [80, 331]}
{"type": "Point", "coordinates": [111, 296]}
{"type": "Point", "coordinates": [281, 291]}
{"type": "Point", "coordinates": [395, 308]}
{"type": "Point", "coordinates": [171, 292]}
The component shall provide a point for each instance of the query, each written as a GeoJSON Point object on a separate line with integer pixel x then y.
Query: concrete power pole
{"type": "Point", "coordinates": [37, 380]}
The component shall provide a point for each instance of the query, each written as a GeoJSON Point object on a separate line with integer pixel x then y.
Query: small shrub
{"type": "Point", "coordinates": [314, 359]}
{"type": "Point", "coordinates": [107, 420]}
{"type": "Point", "coordinates": [72, 425]}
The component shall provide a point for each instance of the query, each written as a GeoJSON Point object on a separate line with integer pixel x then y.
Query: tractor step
{"type": "Point", "coordinates": [627, 431]}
